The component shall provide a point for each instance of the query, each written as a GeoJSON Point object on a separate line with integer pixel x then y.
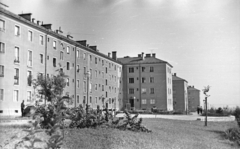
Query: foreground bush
{"type": "Point", "coordinates": [233, 134]}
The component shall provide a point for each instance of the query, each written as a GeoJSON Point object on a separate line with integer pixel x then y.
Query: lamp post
{"type": "Point", "coordinates": [205, 90]}
{"type": "Point", "coordinates": [87, 74]}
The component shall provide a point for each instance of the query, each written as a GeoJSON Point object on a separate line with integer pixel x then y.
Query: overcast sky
{"type": "Point", "coordinates": [200, 38]}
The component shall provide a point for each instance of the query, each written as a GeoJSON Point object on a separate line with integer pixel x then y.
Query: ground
{"type": "Point", "coordinates": [166, 134]}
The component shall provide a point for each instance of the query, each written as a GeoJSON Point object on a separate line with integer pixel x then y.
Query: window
{"type": "Point", "coordinates": [96, 87]}
{"type": "Point", "coordinates": [61, 55]}
{"type": "Point", "coordinates": [84, 70]}
{"type": "Point", "coordinates": [152, 101]}
{"type": "Point", "coordinates": [103, 74]}
{"type": "Point", "coordinates": [151, 79]}
{"type": "Point", "coordinates": [16, 77]}
{"type": "Point", "coordinates": [144, 101]}
{"type": "Point", "coordinates": [30, 35]}
{"type": "Point", "coordinates": [90, 73]}
{"type": "Point", "coordinates": [84, 56]}
{"type": "Point", "coordinates": [16, 60]}
{"type": "Point", "coordinates": [78, 85]}
{"type": "Point", "coordinates": [131, 70]}
{"type": "Point", "coordinates": [78, 68]}
{"type": "Point", "coordinates": [68, 66]}
{"type": "Point", "coordinates": [29, 95]}
{"type": "Point", "coordinates": [144, 90]}
{"type": "Point", "coordinates": [96, 99]}
{"type": "Point", "coordinates": [29, 78]}
{"type": "Point", "coordinates": [77, 98]}
{"type": "Point", "coordinates": [109, 65]}
{"type": "Point", "coordinates": [67, 81]}
{"type": "Point", "coordinates": [151, 69]}
{"type": "Point", "coordinates": [54, 44]}
{"type": "Point", "coordinates": [29, 58]}
{"type": "Point", "coordinates": [106, 94]}
{"type": "Point", "coordinates": [68, 50]}
{"type": "Point", "coordinates": [90, 99]}
{"type": "Point", "coordinates": [102, 62]}
{"type": "Point", "coordinates": [1, 71]}
{"type": "Point", "coordinates": [90, 57]}
{"type": "Point", "coordinates": [1, 94]}
{"type": "Point", "coordinates": [17, 30]}
{"type": "Point", "coordinates": [2, 47]}
{"type": "Point", "coordinates": [106, 82]}
{"type": "Point", "coordinates": [2, 25]}
{"type": "Point", "coordinates": [77, 53]}
{"type": "Point", "coordinates": [143, 69]}
{"type": "Point", "coordinates": [96, 60]}
{"type": "Point", "coordinates": [41, 40]}
{"type": "Point", "coordinates": [54, 62]}
{"type": "Point", "coordinates": [151, 90]}
{"type": "Point", "coordinates": [102, 87]}
{"type": "Point", "coordinates": [131, 80]}
{"type": "Point", "coordinates": [143, 80]}
{"type": "Point", "coordinates": [96, 73]}
{"type": "Point", "coordinates": [15, 95]}
{"type": "Point", "coordinates": [85, 86]}
{"type": "Point", "coordinates": [106, 70]}
{"type": "Point", "coordinates": [41, 58]}
{"type": "Point", "coordinates": [131, 90]}
{"type": "Point", "coordinates": [90, 87]}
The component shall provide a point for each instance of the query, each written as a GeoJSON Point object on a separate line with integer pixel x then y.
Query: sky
{"type": "Point", "coordinates": [200, 38]}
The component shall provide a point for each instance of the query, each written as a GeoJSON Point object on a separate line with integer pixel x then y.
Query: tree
{"type": "Point", "coordinates": [51, 87]}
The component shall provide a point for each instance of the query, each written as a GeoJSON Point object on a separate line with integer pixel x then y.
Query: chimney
{"type": "Point", "coordinates": [26, 16]}
{"type": "Point", "coordinates": [109, 54]}
{"type": "Point", "coordinates": [82, 42]}
{"type": "Point", "coordinates": [47, 26]}
{"type": "Point", "coordinates": [69, 36]}
{"type": "Point", "coordinates": [38, 22]}
{"type": "Point", "coordinates": [93, 48]}
{"type": "Point", "coordinates": [148, 55]}
{"type": "Point", "coordinates": [142, 55]}
{"type": "Point", "coordinates": [33, 20]}
{"type": "Point", "coordinates": [175, 74]}
{"type": "Point", "coordinates": [114, 55]}
{"type": "Point", "coordinates": [154, 55]}
{"type": "Point", "coordinates": [139, 55]}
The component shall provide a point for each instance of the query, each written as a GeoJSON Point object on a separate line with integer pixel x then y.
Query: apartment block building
{"type": "Point", "coordinates": [180, 93]}
{"type": "Point", "coordinates": [147, 82]}
{"type": "Point", "coordinates": [29, 48]}
{"type": "Point", "coordinates": [193, 98]}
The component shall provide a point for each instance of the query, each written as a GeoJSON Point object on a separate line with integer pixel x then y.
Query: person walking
{"type": "Point", "coordinates": [22, 107]}
{"type": "Point", "coordinates": [201, 109]}
{"type": "Point", "coordinates": [198, 109]}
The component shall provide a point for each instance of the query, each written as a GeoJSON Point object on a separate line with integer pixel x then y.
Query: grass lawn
{"type": "Point", "coordinates": [166, 134]}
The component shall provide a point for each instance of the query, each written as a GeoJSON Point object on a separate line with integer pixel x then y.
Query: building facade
{"type": "Point", "coordinates": [147, 83]}
{"type": "Point", "coordinates": [29, 49]}
{"type": "Point", "coordinates": [193, 98]}
{"type": "Point", "coordinates": [180, 94]}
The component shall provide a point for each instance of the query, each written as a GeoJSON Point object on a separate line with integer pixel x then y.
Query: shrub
{"type": "Point", "coordinates": [233, 134]}
{"type": "Point", "coordinates": [236, 112]}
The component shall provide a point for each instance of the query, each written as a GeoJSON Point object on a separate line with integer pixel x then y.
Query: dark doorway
{"type": "Point", "coordinates": [132, 103]}
{"type": "Point", "coordinates": [106, 105]}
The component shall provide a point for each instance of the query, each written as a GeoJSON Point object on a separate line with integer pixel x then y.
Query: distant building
{"type": "Point", "coordinates": [29, 48]}
{"type": "Point", "coordinates": [180, 95]}
{"type": "Point", "coordinates": [147, 83]}
{"type": "Point", "coordinates": [193, 98]}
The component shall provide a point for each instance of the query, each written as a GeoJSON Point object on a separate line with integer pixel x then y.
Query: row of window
{"type": "Point", "coordinates": [17, 32]}
{"type": "Point", "coordinates": [96, 87]}
{"type": "Point", "coordinates": [143, 91]}
{"type": "Point", "coordinates": [97, 100]}
{"type": "Point", "coordinates": [151, 101]}
{"type": "Point", "coordinates": [131, 69]}
{"type": "Point", "coordinates": [16, 95]}
{"type": "Point", "coordinates": [144, 80]}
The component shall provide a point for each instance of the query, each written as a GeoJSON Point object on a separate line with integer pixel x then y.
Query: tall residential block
{"type": "Point", "coordinates": [193, 98]}
{"type": "Point", "coordinates": [147, 83]}
{"type": "Point", "coordinates": [29, 48]}
{"type": "Point", "coordinates": [180, 94]}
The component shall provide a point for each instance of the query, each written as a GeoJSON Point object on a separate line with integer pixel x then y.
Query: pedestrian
{"type": "Point", "coordinates": [198, 109]}
{"type": "Point", "coordinates": [22, 107]}
{"type": "Point", "coordinates": [201, 109]}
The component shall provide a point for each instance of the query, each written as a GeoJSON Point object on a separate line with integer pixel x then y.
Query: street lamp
{"type": "Point", "coordinates": [87, 74]}
{"type": "Point", "coordinates": [205, 90]}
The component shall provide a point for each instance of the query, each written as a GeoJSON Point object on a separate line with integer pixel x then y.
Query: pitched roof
{"type": "Point", "coordinates": [176, 78]}
{"type": "Point", "coordinates": [140, 60]}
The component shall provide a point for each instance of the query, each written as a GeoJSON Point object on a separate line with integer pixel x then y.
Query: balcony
{"type": "Point", "coordinates": [16, 61]}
